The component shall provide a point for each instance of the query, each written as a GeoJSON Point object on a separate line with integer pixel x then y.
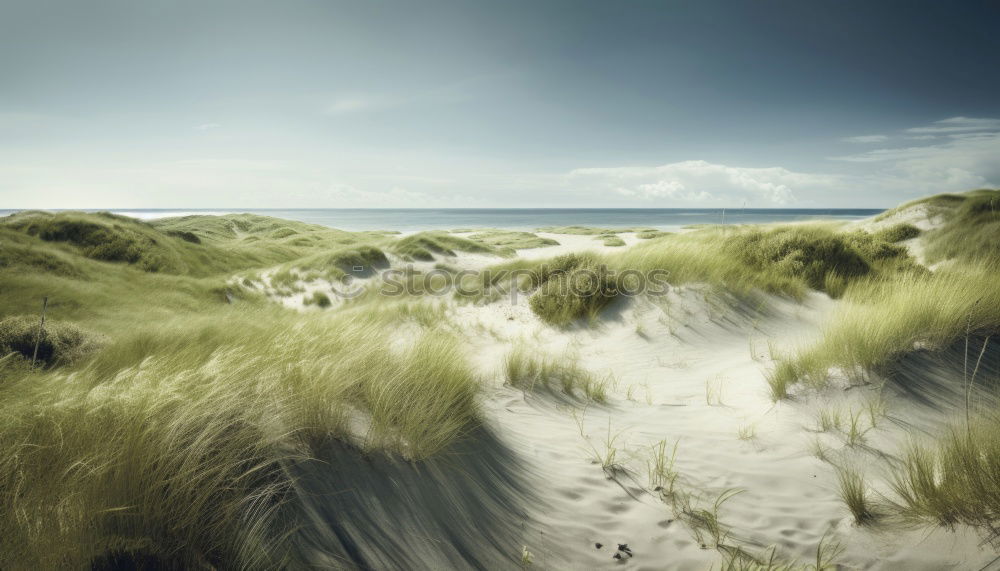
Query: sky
{"type": "Point", "coordinates": [537, 103]}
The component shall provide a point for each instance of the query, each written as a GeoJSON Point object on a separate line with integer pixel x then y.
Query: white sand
{"type": "Point", "coordinates": [669, 360]}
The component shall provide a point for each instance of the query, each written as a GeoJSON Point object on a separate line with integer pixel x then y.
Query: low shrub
{"type": "Point", "coordinates": [59, 342]}
{"type": "Point", "coordinates": [898, 233]}
{"type": "Point", "coordinates": [576, 286]}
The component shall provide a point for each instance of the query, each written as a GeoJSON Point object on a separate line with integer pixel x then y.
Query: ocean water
{"type": "Point", "coordinates": [413, 219]}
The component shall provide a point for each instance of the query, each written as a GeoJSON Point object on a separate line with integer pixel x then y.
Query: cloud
{"type": "Point", "coordinates": [359, 103]}
{"type": "Point", "coordinates": [866, 139]}
{"type": "Point", "coordinates": [963, 157]}
{"type": "Point", "coordinates": [958, 125]}
{"type": "Point", "coordinates": [701, 183]}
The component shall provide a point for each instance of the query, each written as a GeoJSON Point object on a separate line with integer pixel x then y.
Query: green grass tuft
{"type": "Point", "coordinates": [532, 373]}
{"type": "Point", "coordinates": [898, 233]}
{"type": "Point", "coordinates": [854, 493]}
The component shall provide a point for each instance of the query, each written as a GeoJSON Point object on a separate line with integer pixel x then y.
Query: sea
{"type": "Point", "coordinates": [418, 219]}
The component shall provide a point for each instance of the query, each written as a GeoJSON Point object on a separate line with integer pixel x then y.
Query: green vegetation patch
{"type": "Point", "coordinates": [534, 373]}
{"type": "Point", "coordinates": [882, 320]}
{"type": "Point", "coordinates": [651, 234]}
{"type": "Point", "coordinates": [424, 246]}
{"type": "Point", "coordinates": [57, 341]}
{"type": "Point", "coordinates": [512, 239]}
{"type": "Point", "coordinates": [106, 238]}
{"type": "Point", "coordinates": [898, 233]}
{"type": "Point", "coordinates": [573, 287]}
{"type": "Point", "coordinates": [785, 259]}
{"type": "Point", "coordinates": [176, 439]}
{"type": "Point", "coordinates": [969, 231]}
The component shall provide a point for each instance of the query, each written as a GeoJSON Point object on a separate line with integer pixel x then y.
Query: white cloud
{"type": "Point", "coordinates": [957, 161]}
{"type": "Point", "coordinates": [359, 103]}
{"type": "Point", "coordinates": [866, 139]}
{"type": "Point", "coordinates": [701, 183]}
{"type": "Point", "coordinates": [958, 125]}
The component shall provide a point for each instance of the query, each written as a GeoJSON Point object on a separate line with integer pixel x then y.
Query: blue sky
{"type": "Point", "coordinates": [252, 104]}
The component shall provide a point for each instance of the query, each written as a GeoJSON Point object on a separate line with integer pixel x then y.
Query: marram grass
{"type": "Point", "coordinates": [542, 374]}
{"type": "Point", "coordinates": [882, 320]}
{"type": "Point", "coordinates": [174, 441]}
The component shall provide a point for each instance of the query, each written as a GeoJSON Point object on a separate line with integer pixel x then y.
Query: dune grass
{"type": "Point", "coordinates": [650, 234]}
{"type": "Point", "coordinates": [511, 239]}
{"type": "Point", "coordinates": [612, 241]}
{"type": "Point", "coordinates": [882, 320]}
{"type": "Point", "coordinates": [853, 491]}
{"type": "Point", "coordinates": [787, 260]}
{"type": "Point", "coordinates": [173, 441]}
{"type": "Point", "coordinates": [955, 480]}
{"type": "Point", "coordinates": [423, 246]}
{"type": "Point", "coordinates": [969, 230]}
{"type": "Point", "coordinates": [898, 233]}
{"type": "Point", "coordinates": [174, 402]}
{"type": "Point", "coordinates": [535, 373]}
{"type": "Point", "coordinates": [581, 290]}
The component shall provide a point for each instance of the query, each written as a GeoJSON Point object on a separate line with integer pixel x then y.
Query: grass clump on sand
{"type": "Point", "coordinates": [612, 241]}
{"type": "Point", "coordinates": [854, 493]}
{"type": "Point", "coordinates": [882, 320]}
{"type": "Point", "coordinates": [173, 443]}
{"type": "Point", "coordinates": [579, 287]}
{"type": "Point", "coordinates": [953, 481]}
{"type": "Point", "coordinates": [651, 234]}
{"type": "Point", "coordinates": [424, 245]}
{"type": "Point", "coordinates": [512, 239]}
{"type": "Point", "coordinates": [532, 373]}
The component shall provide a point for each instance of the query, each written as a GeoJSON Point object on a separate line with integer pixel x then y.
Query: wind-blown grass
{"type": "Point", "coordinates": [882, 320]}
{"type": "Point", "coordinates": [173, 441]}
{"type": "Point", "coordinates": [955, 480]}
{"type": "Point", "coordinates": [854, 493]}
{"type": "Point", "coordinates": [787, 259]}
{"type": "Point", "coordinates": [969, 230]}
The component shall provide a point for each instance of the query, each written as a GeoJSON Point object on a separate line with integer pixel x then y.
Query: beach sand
{"type": "Point", "coordinates": [685, 370]}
